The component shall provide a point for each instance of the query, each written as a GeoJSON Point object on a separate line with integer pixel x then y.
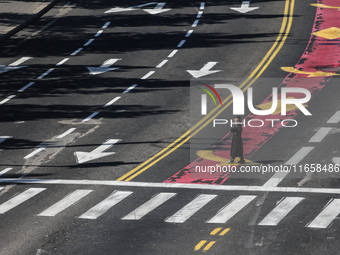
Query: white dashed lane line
{"type": "Point", "coordinates": [189, 33]}
{"type": "Point", "coordinates": [89, 117]}
{"type": "Point", "coordinates": [76, 52]}
{"type": "Point", "coordinates": [7, 99]}
{"type": "Point", "coordinates": [112, 101]}
{"type": "Point", "coordinates": [335, 118]}
{"type": "Point", "coordinates": [181, 44]}
{"type": "Point", "coordinates": [147, 75]}
{"type": "Point", "coordinates": [162, 63]}
{"type": "Point", "coordinates": [129, 88]}
{"type": "Point", "coordinates": [98, 33]}
{"type": "Point", "coordinates": [45, 73]}
{"type": "Point", "coordinates": [88, 42]}
{"type": "Point", "coordinates": [320, 135]}
{"type": "Point", "coordinates": [66, 133]}
{"type": "Point", "coordinates": [34, 152]}
{"type": "Point", "coordinates": [62, 62]}
{"type": "Point", "coordinates": [172, 53]}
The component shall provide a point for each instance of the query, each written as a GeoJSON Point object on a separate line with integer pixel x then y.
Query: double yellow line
{"type": "Point", "coordinates": [268, 58]}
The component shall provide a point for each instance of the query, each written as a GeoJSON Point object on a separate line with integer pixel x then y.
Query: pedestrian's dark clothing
{"type": "Point", "coordinates": [236, 144]}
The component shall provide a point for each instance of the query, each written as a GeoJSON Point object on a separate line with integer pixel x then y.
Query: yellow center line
{"type": "Point", "coordinates": [199, 245]}
{"type": "Point", "coordinates": [224, 232]}
{"type": "Point", "coordinates": [215, 231]}
{"type": "Point", "coordinates": [209, 246]}
{"type": "Point", "coordinates": [280, 40]}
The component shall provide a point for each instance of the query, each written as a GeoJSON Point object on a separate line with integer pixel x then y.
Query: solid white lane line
{"type": "Point", "coordinates": [181, 44]}
{"type": "Point", "coordinates": [19, 199]}
{"type": "Point", "coordinates": [65, 203]}
{"type": "Point", "coordinates": [303, 152]}
{"type": "Point", "coordinates": [190, 209]}
{"type": "Point", "coordinates": [162, 63]}
{"type": "Point", "coordinates": [62, 62]}
{"type": "Point", "coordinates": [20, 61]}
{"type": "Point", "coordinates": [195, 23]}
{"type": "Point", "coordinates": [202, 6]}
{"type": "Point", "coordinates": [7, 99]}
{"type": "Point", "coordinates": [45, 73]}
{"type": "Point", "coordinates": [106, 24]}
{"type": "Point", "coordinates": [105, 205]}
{"type": "Point", "coordinates": [88, 42]}
{"type": "Point", "coordinates": [328, 214]}
{"type": "Point", "coordinates": [199, 15]}
{"type": "Point", "coordinates": [66, 133]}
{"type": "Point", "coordinates": [189, 33]}
{"type": "Point", "coordinates": [77, 51]}
{"type": "Point", "coordinates": [34, 152]}
{"type": "Point", "coordinates": [98, 33]}
{"type": "Point", "coordinates": [335, 118]}
{"type": "Point", "coordinates": [227, 212]}
{"type": "Point", "coordinates": [280, 211]}
{"type": "Point", "coordinates": [149, 206]}
{"type": "Point", "coordinates": [26, 87]}
{"type": "Point", "coordinates": [320, 135]}
{"type": "Point", "coordinates": [147, 75]}
{"type": "Point", "coordinates": [112, 101]}
{"type": "Point", "coordinates": [130, 88]}
{"type": "Point", "coordinates": [172, 53]}
{"type": "Point", "coordinates": [5, 171]}
{"type": "Point", "coordinates": [90, 117]}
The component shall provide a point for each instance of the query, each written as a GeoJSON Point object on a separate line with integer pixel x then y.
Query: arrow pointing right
{"type": "Point", "coordinates": [104, 67]}
{"type": "Point", "coordinates": [205, 70]}
{"type": "Point", "coordinates": [244, 7]}
{"type": "Point", "coordinates": [14, 65]}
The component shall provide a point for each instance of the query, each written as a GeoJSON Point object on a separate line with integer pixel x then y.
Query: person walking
{"type": "Point", "coordinates": [236, 143]}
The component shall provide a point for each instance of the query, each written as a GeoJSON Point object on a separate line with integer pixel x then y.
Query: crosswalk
{"type": "Point", "coordinates": [284, 207]}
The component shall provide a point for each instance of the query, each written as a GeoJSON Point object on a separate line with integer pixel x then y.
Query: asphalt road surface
{"type": "Point", "coordinates": [95, 112]}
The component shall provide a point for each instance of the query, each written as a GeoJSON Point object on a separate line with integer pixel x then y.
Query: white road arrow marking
{"type": "Point", "coordinates": [205, 70]}
{"type": "Point", "coordinates": [158, 9]}
{"type": "Point", "coordinates": [83, 157]}
{"type": "Point", "coordinates": [244, 7]}
{"type": "Point", "coordinates": [3, 138]}
{"type": "Point", "coordinates": [104, 67]}
{"type": "Point", "coordinates": [14, 65]}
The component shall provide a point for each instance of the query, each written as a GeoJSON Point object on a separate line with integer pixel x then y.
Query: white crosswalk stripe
{"type": "Point", "coordinates": [190, 209]}
{"type": "Point", "coordinates": [65, 203]}
{"type": "Point", "coordinates": [328, 214]}
{"type": "Point", "coordinates": [280, 211]}
{"type": "Point", "coordinates": [149, 206]}
{"type": "Point", "coordinates": [227, 212]}
{"type": "Point", "coordinates": [105, 205]}
{"type": "Point", "coordinates": [19, 199]}
{"type": "Point", "coordinates": [323, 220]}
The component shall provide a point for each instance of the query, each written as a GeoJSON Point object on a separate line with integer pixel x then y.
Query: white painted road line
{"type": "Point", "coordinates": [106, 24]}
{"type": "Point", "coordinates": [65, 202]}
{"type": "Point", "coordinates": [172, 53]}
{"type": "Point", "coordinates": [227, 212]}
{"type": "Point", "coordinates": [26, 87]}
{"type": "Point", "coordinates": [320, 135]}
{"type": "Point", "coordinates": [3, 138]}
{"type": "Point", "coordinates": [34, 152]}
{"type": "Point", "coordinates": [105, 205]}
{"type": "Point", "coordinates": [199, 15]}
{"type": "Point", "coordinates": [66, 133]}
{"type": "Point", "coordinates": [98, 33]}
{"type": "Point", "coordinates": [7, 99]}
{"type": "Point", "coordinates": [335, 118]}
{"type": "Point", "coordinates": [280, 211]}
{"type": "Point", "coordinates": [5, 171]}
{"type": "Point", "coordinates": [190, 209]}
{"type": "Point", "coordinates": [19, 199]}
{"type": "Point", "coordinates": [45, 73]}
{"type": "Point", "coordinates": [20, 61]}
{"type": "Point", "coordinates": [202, 6]}
{"type": "Point", "coordinates": [189, 33]}
{"type": "Point", "coordinates": [195, 23]}
{"type": "Point", "coordinates": [328, 214]}
{"type": "Point", "coordinates": [181, 44]}
{"type": "Point", "coordinates": [112, 101]}
{"type": "Point", "coordinates": [303, 152]}
{"type": "Point", "coordinates": [162, 63]}
{"type": "Point", "coordinates": [62, 62]}
{"type": "Point", "coordinates": [275, 179]}
{"type": "Point", "coordinates": [77, 51]}
{"type": "Point", "coordinates": [172, 185]}
{"type": "Point", "coordinates": [149, 206]}
{"type": "Point", "coordinates": [88, 42]}
{"type": "Point", "coordinates": [90, 117]}
{"type": "Point", "coordinates": [130, 88]}
{"type": "Point", "coordinates": [147, 75]}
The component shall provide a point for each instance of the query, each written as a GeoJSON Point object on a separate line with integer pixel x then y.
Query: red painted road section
{"type": "Point", "coordinates": [320, 55]}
